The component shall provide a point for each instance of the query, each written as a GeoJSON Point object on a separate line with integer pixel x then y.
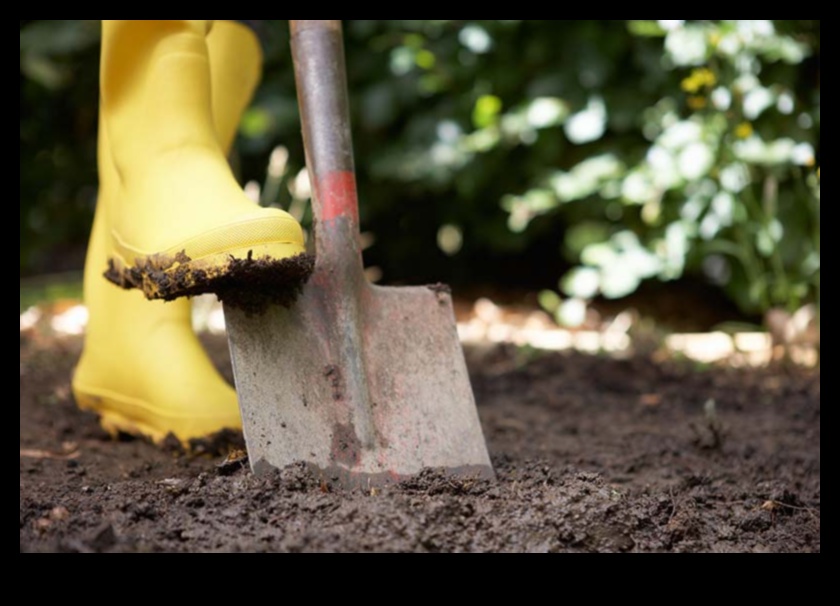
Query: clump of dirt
{"type": "Point", "coordinates": [440, 289]}
{"type": "Point", "coordinates": [251, 285]}
{"type": "Point", "coordinates": [592, 455]}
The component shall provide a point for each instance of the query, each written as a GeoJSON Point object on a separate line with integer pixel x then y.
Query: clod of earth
{"type": "Point", "coordinates": [248, 284]}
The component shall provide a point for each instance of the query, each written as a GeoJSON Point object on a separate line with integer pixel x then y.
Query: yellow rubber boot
{"type": "Point", "coordinates": [236, 63]}
{"type": "Point", "coordinates": [181, 225]}
{"type": "Point", "coordinates": [143, 370]}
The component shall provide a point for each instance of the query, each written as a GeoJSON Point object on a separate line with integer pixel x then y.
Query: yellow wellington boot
{"type": "Point", "coordinates": [235, 70]}
{"type": "Point", "coordinates": [181, 225]}
{"type": "Point", "coordinates": [143, 370]}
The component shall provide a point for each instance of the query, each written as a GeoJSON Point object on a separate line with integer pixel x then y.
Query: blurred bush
{"type": "Point", "coordinates": [58, 111]}
{"type": "Point", "coordinates": [602, 153]}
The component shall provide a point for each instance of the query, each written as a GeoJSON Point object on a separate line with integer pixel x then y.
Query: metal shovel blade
{"type": "Point", "coordinates": [399, 403]}
{"type": "Point", "coordinates": [367, 385]}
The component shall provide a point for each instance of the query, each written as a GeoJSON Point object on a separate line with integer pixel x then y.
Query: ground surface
{"type": "Point", "coordinates": [592, 454]}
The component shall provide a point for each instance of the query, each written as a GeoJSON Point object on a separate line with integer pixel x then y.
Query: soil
{"type": "Point", "coordinates": [592, 455]}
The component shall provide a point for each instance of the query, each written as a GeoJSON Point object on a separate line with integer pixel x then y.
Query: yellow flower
{"type": "Point", "coordinates": [744, 130]}
{"type": "Point", "coordinates": [700, 78]}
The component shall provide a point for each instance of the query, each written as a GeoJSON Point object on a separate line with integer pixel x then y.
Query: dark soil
{"type": "Point", "coordinates": [592, 454]}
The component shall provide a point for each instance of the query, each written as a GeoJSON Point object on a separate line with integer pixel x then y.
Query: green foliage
{"type": "Point", "coordinates": [58, 114]}
{"type": "Point", "coordinates": [498, 150]}
{"type": "Point", "coordinates": [721, 180]}
{"type": "Point", "coordinates": [53, 289]}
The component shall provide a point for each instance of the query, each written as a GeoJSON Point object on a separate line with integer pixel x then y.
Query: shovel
{"type": "Point", "coordinates": [366, 385]}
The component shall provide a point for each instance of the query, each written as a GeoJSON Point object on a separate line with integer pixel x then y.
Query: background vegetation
{"type": "Point", "coordinates": [580, 158]}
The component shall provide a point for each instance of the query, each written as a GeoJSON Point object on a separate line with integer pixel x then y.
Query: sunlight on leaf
{"type": "Point", "coordinates": [546, 112]}
{"type": "Point", "coordinates": [735, 178]}
{"type": "Point", "coordinates": [755, 151]}
{"type": "Point", "coordinates": [425, 59]}
{"type": "Point", "coordinates": [696, 161]}
{"type": "Point", "coordinates": [687, 46]}
{"type": "Point", "coordinates": [599, 255]}
{"type": "Point", "coordinates": [450, 240]}
{"type": "Point", "coordinates": [487, 110]}
{"type": "Point", "coordinates": [680, 135]}
{"type": "Point", "coordinates": [524, 209]}
{"type": "Point", "coordinates": [588, 125]}
{"type": "Point", "coordinates": [256, 122]}
{"type": "Point", "coordinates": [402, 61]}
{"type": "Point", "coordinates": [671, 25]}
{"type": "Point", "coordinates": [638, 188]}
{"type": "Point", "coordinates": [572, 313]}
{"type": "Point", "coordinates": [586, 178]}
{"type": "Point", "coordinates": [617, 284]}
{"type": "Point", "coordinates": [550, 301]}
{"type": "Point", "coordinates": [483, 140]}
{"type": "Point", "coordinates": [58, 37]}
{"type": "Point", "coordinates": [722, 99]}
{"type": "Point", "coordinates": [647, 28]}
{"type": "Point", "coordinates": [757, 101]}
{"type": "Point", "coordinates": [583, 283]}
{"type": "Point", "coordinates": [585, 233]}
{"type": "Point", "coordinates": [476, 39]}
{"type": "Point", "coordinates": [723, 206]}
{"type": "Point", "coordinates": [44, 71]}
{"type": "Point", "coordinates": [804, 155]}
{"type": "Point", "coordinates": [676, 247]}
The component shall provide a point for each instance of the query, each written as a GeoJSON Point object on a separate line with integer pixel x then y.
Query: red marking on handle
{"type": "Point", "coordinates": [338, 197]}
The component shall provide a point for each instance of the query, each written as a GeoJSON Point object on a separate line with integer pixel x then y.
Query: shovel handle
{"type": "Point", "coordinates": [321, 75]}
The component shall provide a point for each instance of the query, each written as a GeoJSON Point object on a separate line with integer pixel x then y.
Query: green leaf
{"type": "Point", "coordinates": [645, 29]}
{"type": "Point", "coordinates": [58, 37]}
{"type": "Point", "coordinates": [550, 301]}
{"type": "Point", "coordinates": [487, 110]}
{"type": "Point", "coordinates": [582, 283]}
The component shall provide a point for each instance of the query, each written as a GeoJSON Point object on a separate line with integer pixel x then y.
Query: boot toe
{"type": "Point", "coordinates": [252, 261]}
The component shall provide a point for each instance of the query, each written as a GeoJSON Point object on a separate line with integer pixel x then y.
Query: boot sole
{"type": "Point", "coordinates": [250, 278]}
{"type": "Point", "coordinates": [116, 424]}
{"type": "Point", "coordinates": [115, 421]}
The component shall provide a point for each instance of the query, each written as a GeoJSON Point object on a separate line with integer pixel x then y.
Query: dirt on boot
{"type": "Point", "coordinates": [251, 285]}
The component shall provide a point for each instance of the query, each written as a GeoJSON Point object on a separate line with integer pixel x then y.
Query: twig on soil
{"type": "Point", "coordinates": [674, 508]}
{"type": "Point", "coordinates": [69, 452]}
{"type": "Point", "coordinates": [774, 506]}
